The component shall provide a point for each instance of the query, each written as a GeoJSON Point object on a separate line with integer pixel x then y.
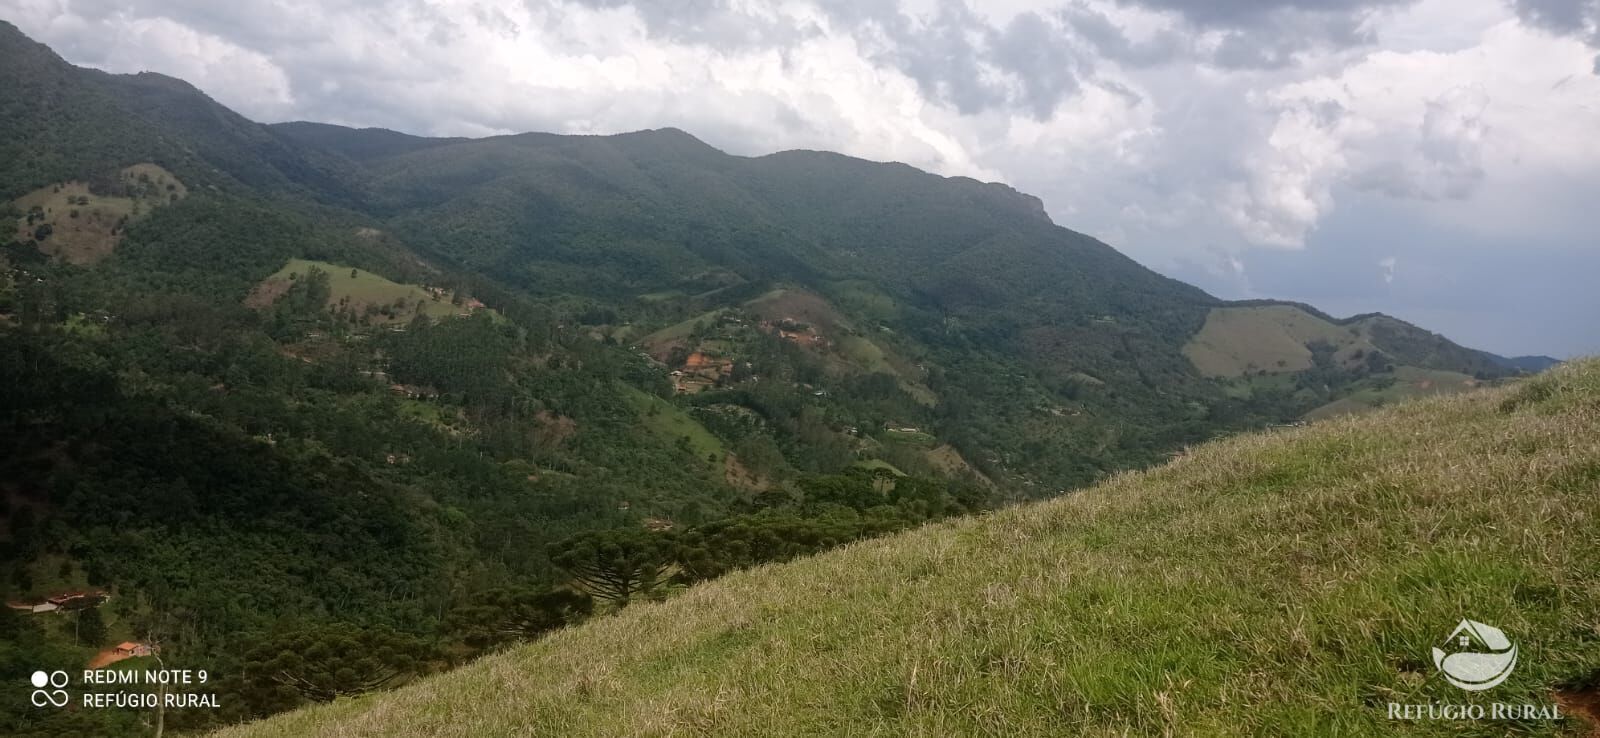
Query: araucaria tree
{"type": "Point", "coordinates": [615, 565]}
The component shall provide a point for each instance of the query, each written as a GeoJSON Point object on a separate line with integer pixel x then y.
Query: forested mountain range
{"type": "Point", "coordinates": [414, 398]}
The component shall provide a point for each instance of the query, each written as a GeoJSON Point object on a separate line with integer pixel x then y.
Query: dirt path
{"type": "Point", "coordinates": [1584, 703]}
{"type": "Point", "coordinates": [105, 658]}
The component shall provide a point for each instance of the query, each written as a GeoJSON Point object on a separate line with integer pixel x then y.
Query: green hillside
{"type": "Point", "coordinates": [1282, 338]}
{"type": "Point", "coordinates": [675, 426]}
{"type": "Point", "coordinates": [79, 225]}
{"type": "Point", "coordinates": [354, 407]}
{"type": "Point", "coordinates": [1281, 583]}
{"type": "Point", "coordinates": [1403, 383]}
{"type": "Point", "coordinates": [1047, 358]}
{"type": "Point", "coordinates": [364, 293]}
{"type": "Point", "coordinates": [1297, 357]}
{"type": "Point", "coordinates": [1271, 338]}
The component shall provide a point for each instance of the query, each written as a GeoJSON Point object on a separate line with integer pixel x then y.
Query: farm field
{"type": "Point", "coordinates": [358, 290]}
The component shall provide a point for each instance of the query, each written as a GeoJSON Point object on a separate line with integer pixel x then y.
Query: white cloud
{"type": "Point", "coordinates": [242, 79]}
{"type": "Point", "coordinates": [1287, 189]}
{"type": "Point", "coordinates": [1499, 118]}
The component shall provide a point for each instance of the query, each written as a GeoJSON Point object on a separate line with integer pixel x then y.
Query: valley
{"type": "Point", "coordinates": [359, 420]}
{"type": "Point", "coordinates": [1269, 583]}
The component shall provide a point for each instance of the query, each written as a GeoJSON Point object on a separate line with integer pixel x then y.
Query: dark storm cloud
{"type": "Point", "coordinates": [1110, 42]}
{"type": "Point", "coordinates": [1245, 13]}
{"type": "Point", "coordinates": [1239, 50]}
{"type": "Point", "coordinates": [1268, 36]}
{"type": "Point", "coordinates": [1046, 57]}
{"type": "Point", "coordinates": [1276, 41]}
{"type": "Point", "coordinates": [715, 23]}
{"type": "Point", "coordinates": [1579, 18]}
{"type": "Point", "coordinates": [1035, 52]}
{"type": "Point", "coordinates": [944, 58]}
{"type": "Point", "coordinates": [258, 26]}
{"type": "Point", "coordinates": [1036, 60]}
{"type": "Point", "coordinates": [1031, 64]}
{"type": "Point", "coordinates": [1572, 17]}
{"type": "Point", "coordinates": [954, 55]}
{"type": "Point", "coordinates": [1255, 34]}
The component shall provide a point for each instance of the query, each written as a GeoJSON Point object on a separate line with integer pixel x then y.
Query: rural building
{"type": "Point", "coordinates": [75, 600]}
{"type": "Point", "coordinates": [130, 649]}
{"type": "Point", "coordinates": [62, 601]}
{"type": "Point", "coordinates": [414, 392]}
{"type": "Point", "coordinates": [700, 371]}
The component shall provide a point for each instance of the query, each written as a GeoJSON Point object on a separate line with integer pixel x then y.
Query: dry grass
{"type": "Point", "coordinates": [1288, 583]}
{"type": "Point", "coordinates": [950, 462]}
{"type": "Point", "coordinates": [787, 303]}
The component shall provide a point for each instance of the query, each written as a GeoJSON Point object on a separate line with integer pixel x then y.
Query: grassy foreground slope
{"type": "Point", "coordinates": [1289, 583]}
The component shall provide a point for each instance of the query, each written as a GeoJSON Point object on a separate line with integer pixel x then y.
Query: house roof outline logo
{"type": "Point", "coordinates": [1476, 670]}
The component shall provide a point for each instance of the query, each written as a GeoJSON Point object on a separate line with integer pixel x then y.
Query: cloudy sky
{"type": "Point", "coordinates": [1435, 159]}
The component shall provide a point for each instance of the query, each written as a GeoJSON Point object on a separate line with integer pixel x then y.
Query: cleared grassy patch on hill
{"type": "Point", "coordinates": [69, 221]}
{"type": "Point", "coordinates": [801, 306]}
{"type": "Point", "coordinates": [1286, 583]}
{"type": "Point", "coordinates": [848, 345]}
{"type": "Point", "coordinates": [671, 423]}
{"type": "Point", "coordinates": [911, 437]}
{"type": "Point", "coordinates": [863, 298]}
{"type": "Point", "coordinates": [800, 316]}
{"type": "Point", "coordinates": [865, 355]}
{"type": "Point", "coordinates": [875, 464]}
{"type": "Point", "coordinates": [357, 289]}
{"type": "Point", "coordinates": [1271, 338]}
{"type": "Point", "coordinates": [1406, 382]}
{"type": "Point", "coordinates": [662, 341]}
{"type": "Point", "coordinates": [950, 462]}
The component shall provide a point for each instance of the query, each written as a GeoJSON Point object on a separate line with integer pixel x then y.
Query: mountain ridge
{"type": "Point", "coordinates": [951, 264]}
{"type": "Point", "coordinates": [435, 384]}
